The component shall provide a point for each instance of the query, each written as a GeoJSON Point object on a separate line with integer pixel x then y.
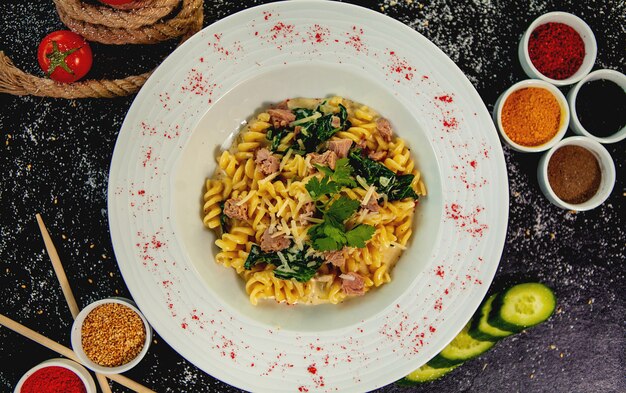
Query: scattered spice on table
{"type": "Point", "coordinates": [531, 116]}
{"type": "Point", "coordinates": [601, 107]}
{"type": "Point", "coordinates": [112, 335]}
{"type": "Point", "coordinates": [53, 379]}
{"type": "Point", "coordinates": [556, 50]}
{"type": "Point", "coordinates": [574, 174]}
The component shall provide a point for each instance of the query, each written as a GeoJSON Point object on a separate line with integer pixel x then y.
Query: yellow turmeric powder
{"type": "Point", "coordinates": [531, 116]}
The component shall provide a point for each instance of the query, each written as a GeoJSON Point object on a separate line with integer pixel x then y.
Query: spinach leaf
{"type": "Point", "coordinates": [396, 187]}
{"type": "Point", "coordinates": [301, 113]}
{"type": "Point", "coordinates": [275, 136]}
{"type": "Point", "coordinates": [224, 219]}
{"type": "Point", "coordinates": [401, 188]}
{"type": "Point", "coordinates": [298, 266]}
{"type": "Point", "coordinates": [318, 130]}
{"type": "Point", "coordinates": [257, 256]}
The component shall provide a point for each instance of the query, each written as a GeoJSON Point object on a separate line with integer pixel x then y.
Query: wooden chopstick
{"type": "Point", "coordinates": [58, 268]}
{"type": "Point", "coordinates": [65, 287]}
{"type": "Point", "coordinates": [67, 290]}
{"type": "Point", "coordinates": [65, 351]}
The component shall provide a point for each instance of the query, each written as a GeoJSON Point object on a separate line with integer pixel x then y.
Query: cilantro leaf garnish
{"type": "Point", "coordinates": [318, 189]}
{"type": "Point", "coordinates": [332, 181]}
{"type": "Point", "coordinates": [342, 209]}
{"type": "Point", "coordinates": [331, 234]}
{"type": "Point", "coordinates": [358, 235]}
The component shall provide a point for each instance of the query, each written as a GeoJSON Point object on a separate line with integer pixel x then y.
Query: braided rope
{"type": "Point", "coordinates": [107, 16]}
{"type": "Point", "coordinates": [17, 82]}
{"type": "Point", "coordinates": [148, 34]}
{"type": "Point", "coordinates": [142, 21]}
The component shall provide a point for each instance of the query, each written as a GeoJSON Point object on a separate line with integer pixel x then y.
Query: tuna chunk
{"type": "Point", "coordinates": [266, 162]}
{"type": "Point", "coordinates": [282, 105]}
{"type": "Point", "coordinates": [232, 210]}
{"type": "Point", "coordinates": [328, 158]}
{"type": "Point", "coordinates": [335, 258]}
{"type": "Point", "coordinates": [384, 129]}
{"type": "Point", "coordinates": [281, 117]}
{"type": "Point", "coordinates": [372, 205]}
{"type": "Point", "coordinates": [340, 147]}
{"type": "Point", "coordinates": [377, 155]}
{"type": "Point", "coordinates": [271, 243]}
{"type": "Point", "coordinates": [352, 284]}
{"type": "Point", "coordinates": [335, 121]}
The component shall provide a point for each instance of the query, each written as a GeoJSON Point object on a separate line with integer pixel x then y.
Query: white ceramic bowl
{"type": "Point", "coordinates": [497, 114]}
{"type": "Point", "coordinates": [607, 168]}
{"type": "Point", "coordinates": [80, 371]}
{"type": "Point", "coordinates": [577, 127]}
{"type": "Point", "coordinates": [582, 28]}
{"type": "Point", "coordinates": [77, 342]}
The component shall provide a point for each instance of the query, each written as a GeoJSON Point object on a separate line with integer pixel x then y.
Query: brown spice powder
{"type": "Point", "coordinates": [531, 116]}
{"type": "Point", "coordinates": [574, 174]}
{"type": "Point", "coordinates": [112, 335]}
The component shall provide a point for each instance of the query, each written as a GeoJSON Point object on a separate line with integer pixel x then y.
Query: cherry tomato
{"type": "Point", "coordinates": [115, 2]}
{"type": "Point", "coordinates": [64, 56]}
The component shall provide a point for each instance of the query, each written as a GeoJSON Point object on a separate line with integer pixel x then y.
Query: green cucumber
{"type": "Point", "coordinates": [425, 373]}
{"type": "Point", "coordinates": [480, 329]}
{"type": "Point", "coordinates": [463, 347]}
{"type": "Point", "coordinates": [522, 306]}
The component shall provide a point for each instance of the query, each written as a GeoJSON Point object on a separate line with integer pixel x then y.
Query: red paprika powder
{"type": "Point", "coordinates": [556, 50]}
{"type": "Point", "coordinates": [53, 379]}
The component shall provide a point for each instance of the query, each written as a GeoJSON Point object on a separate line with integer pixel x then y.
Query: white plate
{"type": "Point", "coordinates": [192, 105]}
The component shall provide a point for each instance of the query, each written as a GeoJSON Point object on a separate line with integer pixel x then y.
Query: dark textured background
{"type": "Point", "coordinates": [55, 158]}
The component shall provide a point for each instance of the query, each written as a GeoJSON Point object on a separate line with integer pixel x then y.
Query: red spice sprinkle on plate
{"type": "Point", "coordinates": [445, 98]}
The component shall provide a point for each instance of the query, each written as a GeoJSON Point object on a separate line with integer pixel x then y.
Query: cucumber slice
{"type": "Point", "coordinates": [462, 348]}
{"type": "Point", "coordinates": [481, 329]}
{"type": "Point", "coordinates": [425, 373]}
{"type": "Point", "coordinates": [522, 306]}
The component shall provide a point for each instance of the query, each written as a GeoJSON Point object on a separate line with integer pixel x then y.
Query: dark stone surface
{"type": "Point", "coordinates": [55, 156]}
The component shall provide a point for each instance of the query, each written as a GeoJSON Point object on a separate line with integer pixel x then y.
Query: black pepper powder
{"type": "Point", "coordinates": [601, 107]}
{"type": "Point", "coordinates": [574, 174]}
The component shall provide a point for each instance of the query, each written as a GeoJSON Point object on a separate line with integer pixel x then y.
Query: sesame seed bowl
{"type": "Point", "coordinates": [516, 143]}
{"type": "Point", "coordinates": [111, 336]}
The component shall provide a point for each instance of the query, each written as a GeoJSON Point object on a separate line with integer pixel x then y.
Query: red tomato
{"type": "Point", "coordinates": [64, 56]}
{"type": "Point", "coordinates": [115, 2]}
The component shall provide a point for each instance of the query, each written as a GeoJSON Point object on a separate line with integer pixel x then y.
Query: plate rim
{"type": "Point", "coordinates": [153, 82]}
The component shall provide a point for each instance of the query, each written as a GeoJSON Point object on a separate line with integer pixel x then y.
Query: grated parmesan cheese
{"type": "Point", "coordinates": [314, 116]}
{"type": "Point", "coordinates": [282, 208]}
{"type": "Point", "coordinates": [246, 198]}
{"type": "Point", "coordinates": [362, 182]}
{"type": "Point", "coordinates": [269, 178]}
{"type": "Point", "coordinates": [285, 159]}
{"type": "Point", "coordinates": [285, 227]}
{"type": "Point", "coordinates": [395, 244]}
{"type": "Point", "coordinates": [368, 195]}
